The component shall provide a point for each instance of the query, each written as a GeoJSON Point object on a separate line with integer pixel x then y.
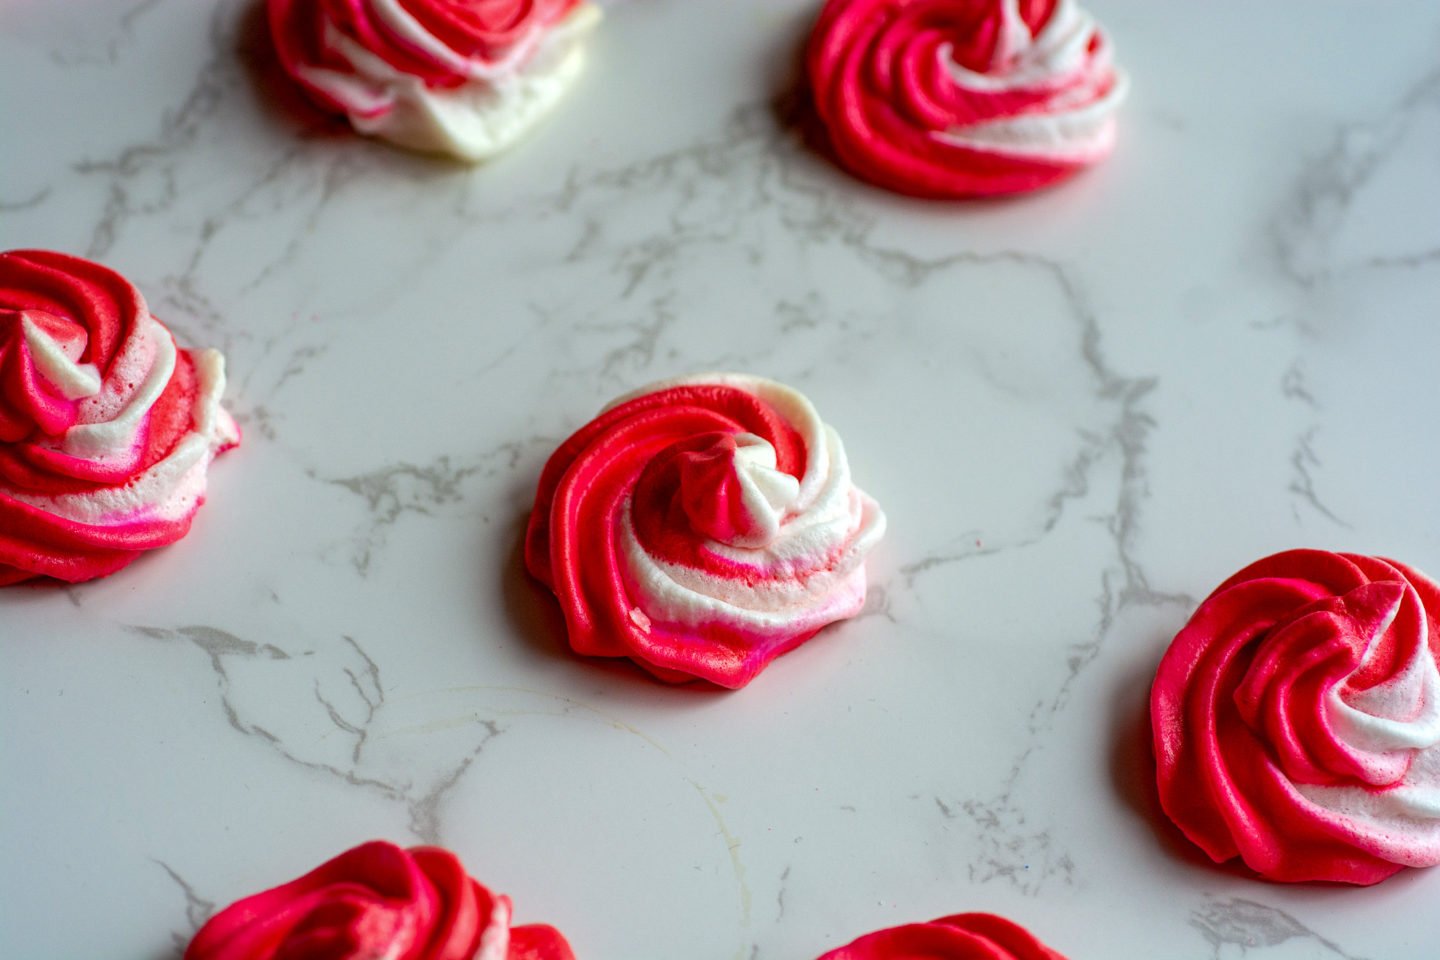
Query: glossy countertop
{"type": "Point", "coordinates": [1080, 409]}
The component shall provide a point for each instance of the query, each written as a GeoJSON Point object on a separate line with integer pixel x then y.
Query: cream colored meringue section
{"type": "Point", "coordinates": [74, 380]}
{"type": "Point", "coordinates": [1079, 135]}
{"type": "Point", "coordinates": [1078, 126]}
{"type": "Point", "coordinates": [771, 608]}
{"type": "Point", "coordinates": [766, 493]}
{"type": "Point", "coordinates": [1401, 823]}
{"type": "Point", "coordinates": [495, 938]}
{"type": "Point", "coordinates": [812, 573]}
{"type": "Point", "coordinates": [116, 437]}
{"type": "Point", "coordinates": [172, 487]}
{"type": "Point", "coordinates": [1022, 61]}
{"type": "Point", "coordinates": [790, 403]}
{"type": "Point", "coordinates": [1387, 722]}
{"type": "Point", "coordinates": [476, 120]}
{"type": "Point", "coordinates": [1398, 724]}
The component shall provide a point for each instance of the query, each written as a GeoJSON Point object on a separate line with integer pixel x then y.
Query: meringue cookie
{"type": "Point", "coordinates": [964, 936]}
{"type": "Point", "coordinates": [1296, 719]}
{"type": "Point", "coordinates": [107, 428]}
{"type": "Point", "coordinates": [702, 527]}
{"type": "Point", "coordinates": [377, 900]}
{"type": "Point", "coordinates": [964, 98]}
{"type": "Point", "coordinates": [460, 78]}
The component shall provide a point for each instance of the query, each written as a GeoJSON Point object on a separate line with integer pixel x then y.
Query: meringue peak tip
{"type": "Point", "coordinates": [1373, 606]}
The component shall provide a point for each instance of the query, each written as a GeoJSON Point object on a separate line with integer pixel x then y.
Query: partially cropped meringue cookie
{"type": "Point", "coordinates": [460, 77]}
{"type": "Point", "coordinates": [1297, 719]}
{"type": "Point", "coordinates": [107, 427]}
{"type": "Point", "coordinates": [964, 98]}
{"type": "Point", "coordinates": [963, 936]}
{"type": "Point", "coordinates": [702, 527]}
{"type": "Point", "coordinates": [377, 901]}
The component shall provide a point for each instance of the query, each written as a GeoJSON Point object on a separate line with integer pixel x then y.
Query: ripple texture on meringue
{"type": "Point", "coordinates": [949, 99]}
{"type": "Point", "coordinates": [458, 77]}
{"type": "Point", "coordinates": [1296, 719]}
{"type": "Point", "coordinates": [107, 428]}
{"type": "Point", "coordinates": [964, 936]}
{"type": "Point", "coordinates": [702, 527]}
{"type": "Point", "coordinates": [377, 900]}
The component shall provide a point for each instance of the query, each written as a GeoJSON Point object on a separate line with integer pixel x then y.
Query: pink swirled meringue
{"type": "Point", "coordinates": [964, 936]}
{"type": "Point", "coordinates": [964, 98]}
{"type": "Point", "coordinates": [1297, 719]}
{"type": "Point", "coordinates": [461, 77]}
{"type": "Point", "coordinates": [377, 902]}
{"type": "Point", "coordinates": [107, 428]}
{"type": "Point", "coordinates": [702, 527]}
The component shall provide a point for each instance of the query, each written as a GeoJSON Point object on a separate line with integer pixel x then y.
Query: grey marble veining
{"type": "Point", "coordinates": [1080, 410]}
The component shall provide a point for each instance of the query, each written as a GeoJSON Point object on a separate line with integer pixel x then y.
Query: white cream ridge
{"type": "Point", "coordinates": [811, 570]}
{"type": "Point", "coordinates": [1080, 123]}
{"type": "Point", "coordinates": [498, 104]}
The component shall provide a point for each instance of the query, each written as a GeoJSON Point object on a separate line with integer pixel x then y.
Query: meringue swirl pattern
{"type": "Point", "coordinates": [964, 98]}
{"type": "Point", "coordinates": [1296, 719]}
{"type": "Point", "coordinates": [964, 936]}
{"type": "Point", "coordinates": [444, 76]}
{"type": "Point", "coordinates": [702, 527]}
{"type": "Point", "coordinates": [107, 428]}
{"type": "Point", "coordinates": [377, 901]}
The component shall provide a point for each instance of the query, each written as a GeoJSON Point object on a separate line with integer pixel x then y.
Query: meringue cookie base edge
{"type": "Point", "coordinates": [1002, 159]}
{"type": "Point", "coordinates": [478, 119]}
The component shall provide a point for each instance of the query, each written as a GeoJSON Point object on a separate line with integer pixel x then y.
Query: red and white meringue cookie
{"type": "Point", "coordinates": [377, 902]}
{"type": "Point", "coordinates": [702, 527]}
{"type": "Point", "coordinates": [964, 98]}
{"type": "Point", "coordinates": [964, 936]}
{"type": "Point", "coordinates": [1297, 719]}
{"type": "Point", "coordinates": [107, 428]}
{"type": "Point", "coordinates": [462, 77]}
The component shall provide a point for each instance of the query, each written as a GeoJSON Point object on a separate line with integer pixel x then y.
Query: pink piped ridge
{"type": "Point", "coordinates": [1296, 719]}
{"type": "Point", "coordinates": [949, 99]}
{"type": "Point", "coordinates": [702, 527]}
{"type": "Point", "coordinates": [963, 936]}
{"type": "Point", "coordinates": [377, 900]}
{"type": "Point", "coordinates": [107, 427]}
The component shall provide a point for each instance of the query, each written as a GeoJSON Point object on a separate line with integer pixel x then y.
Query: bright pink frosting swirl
{"type": "Point", "coordinates": [964, 936]}
{"type": "Point", "coordinates": [469, 31]}
{"type": "Point", "coordinates": [107, 428]}
{"type": "Point", "coordinates": [1297, 719]}
{"type": "Point", "coordinates": [964, 98]}
{"type": "Point", "coordinates": [702, 527]}
{"type": "Point", "coordinates": [377, 902]}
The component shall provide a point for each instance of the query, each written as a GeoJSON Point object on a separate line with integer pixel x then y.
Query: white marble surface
{"type": "Point", "coordinates": [1080, 410]}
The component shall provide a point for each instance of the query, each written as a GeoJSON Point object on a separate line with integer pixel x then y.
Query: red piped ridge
{"type": "Point", "coordinates": [107, 428]}
{"type": "Point", "coordinates": [1296, 719]}
{"type": "Point", "coordinates": [377, 900]}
